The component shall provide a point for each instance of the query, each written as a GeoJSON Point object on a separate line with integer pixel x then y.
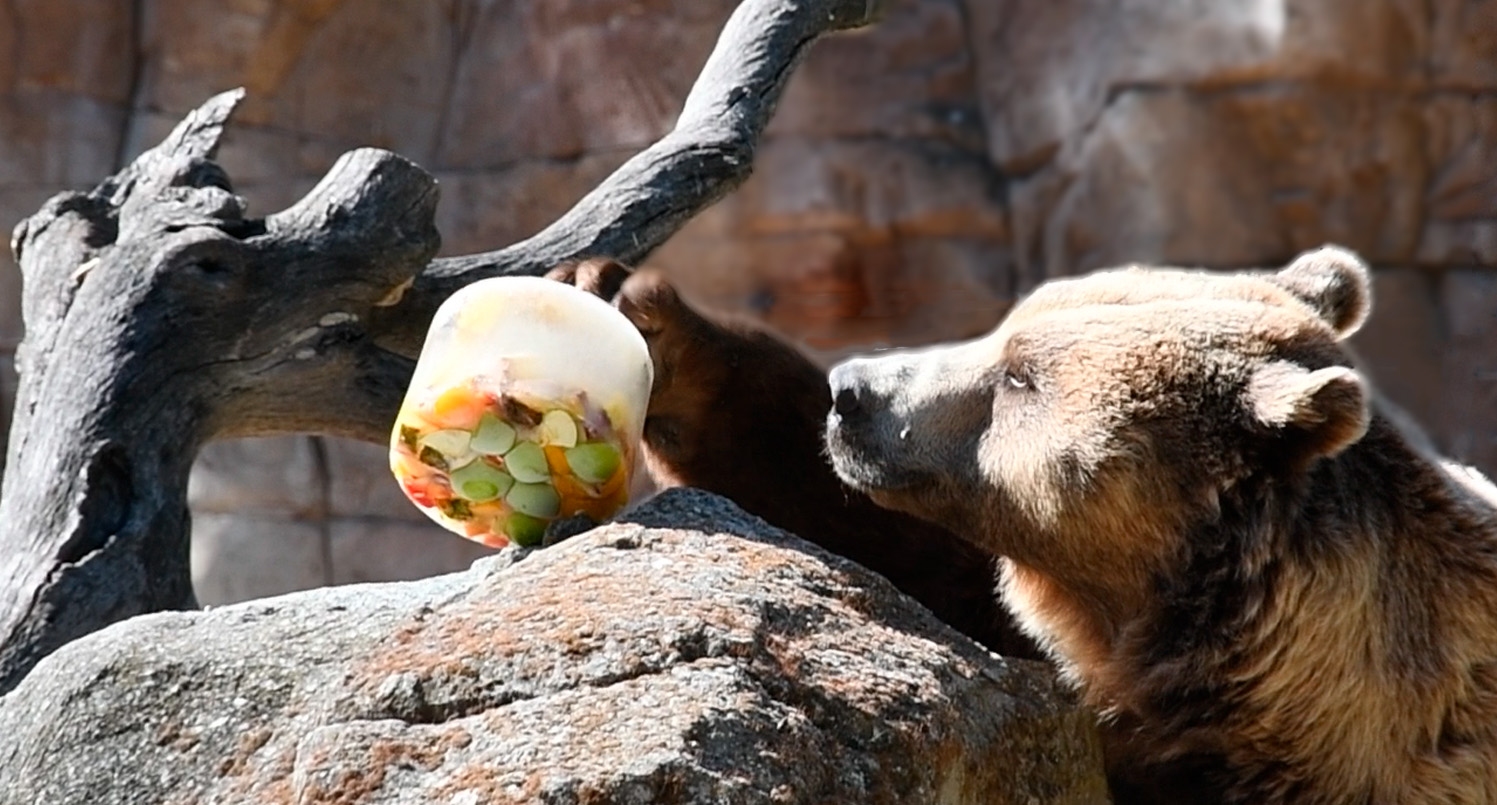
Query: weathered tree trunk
{"type": "Point", "coordinates": [159, 318]}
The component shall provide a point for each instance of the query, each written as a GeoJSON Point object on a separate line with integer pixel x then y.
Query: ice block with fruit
{"type": "Point", "coordinates": [526, 405]}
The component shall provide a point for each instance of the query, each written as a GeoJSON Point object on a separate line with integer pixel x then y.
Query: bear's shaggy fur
{"type": "Point", "coordinates": [737, 411]}
{"type": "Point", "coordinates": [1269, 586]}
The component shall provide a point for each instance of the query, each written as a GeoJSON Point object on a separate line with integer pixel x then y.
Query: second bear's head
{"type": "Point", "coordinates": [1125, 401]}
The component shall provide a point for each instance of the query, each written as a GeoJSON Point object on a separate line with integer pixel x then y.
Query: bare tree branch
{"type": "Point", "coordinates": [707, 155]}
{"type": "Point", "coordinates": [159, 318]}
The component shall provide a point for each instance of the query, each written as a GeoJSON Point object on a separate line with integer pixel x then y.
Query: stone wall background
{"type": "Point", "coordinates": [919, 176]}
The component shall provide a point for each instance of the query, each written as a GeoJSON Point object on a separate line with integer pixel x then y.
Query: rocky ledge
{"type": "Point", "coordinates": [686, 653]}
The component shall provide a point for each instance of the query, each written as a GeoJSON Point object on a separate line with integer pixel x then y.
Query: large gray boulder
{"type": "Point", "coordinates": [688, 653]}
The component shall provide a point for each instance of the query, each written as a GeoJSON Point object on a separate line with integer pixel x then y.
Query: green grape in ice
{"type": "Point", "coordinates": [536, 500]}
{"type": "Point", "coordinates": [527, 462]}
{"type": "Point", "coordinates": [449, 442]}
{"type": "Point", "coordinates": [558, 428]}
{"type": "Point", "coordinates": [595, 462]}
{"type": "Point", "coordinates": [524, 530]}
{"type": "Point", "coordinates": [480, 482]}
{"type": "Point", "coordinates": [493, 437]}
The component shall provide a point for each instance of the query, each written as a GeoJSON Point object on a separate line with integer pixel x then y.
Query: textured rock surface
{"type": "Point", "coordinates": [917, 177]}
{"type": "Point", "coordinates": [701, 662]}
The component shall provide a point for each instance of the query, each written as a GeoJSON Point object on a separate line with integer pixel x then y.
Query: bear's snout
{"type": "Point", "coordinates": [904, 425]}
{"type": "Point", "coordinates": [862, 393]}
{"type": "Point", "coordinates": [863, 428]}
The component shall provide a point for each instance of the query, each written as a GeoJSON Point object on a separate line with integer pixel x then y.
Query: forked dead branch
{"type": "Point", "coordinates": [159, 317]}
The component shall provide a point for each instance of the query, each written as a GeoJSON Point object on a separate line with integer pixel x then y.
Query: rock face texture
{"type": "Point", "coordinates": [918, 177]}
{"type": "Point", "coordinates": [688, 654]}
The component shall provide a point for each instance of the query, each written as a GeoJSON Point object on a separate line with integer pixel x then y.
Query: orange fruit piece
{"type": "Point", "coordinates": [598, 510]}
{"type": "Point", "coordinates": [458, 407]}
{"type": "Point", "coordinates": [570, 489]}
{"type": "Point", "coordinates": [598, 503]}
{"type": "Point", "coordinates": [556, 459]}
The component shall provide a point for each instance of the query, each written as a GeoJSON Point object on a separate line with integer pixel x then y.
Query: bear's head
{"type": "Point", "coordinates": [1083, 436]}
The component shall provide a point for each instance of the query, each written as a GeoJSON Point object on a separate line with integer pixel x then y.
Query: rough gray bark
{"type": "Point", "coordinates": [159, 318]}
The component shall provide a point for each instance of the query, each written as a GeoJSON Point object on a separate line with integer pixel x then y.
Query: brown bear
{"type": "Point", "coordinates": [736, 410]}
{"type": "Point", "coordinates": [1266, 583]}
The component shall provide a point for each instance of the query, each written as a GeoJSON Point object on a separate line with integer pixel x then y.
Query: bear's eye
{"type": "Point", "coordinates": [1017, 378]}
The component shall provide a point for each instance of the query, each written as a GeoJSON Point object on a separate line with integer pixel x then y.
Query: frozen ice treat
{"type": "Point", "coordinates": [527, 405]}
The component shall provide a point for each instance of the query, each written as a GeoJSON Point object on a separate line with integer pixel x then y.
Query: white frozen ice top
{"type": "Point", "coordinates": [543, 337]}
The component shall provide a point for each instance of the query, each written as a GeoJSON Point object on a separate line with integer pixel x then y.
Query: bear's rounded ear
{"type": "Point", "coordinates": [1319, 412]}
{"type": "Point", "coordinates": [649, 300]}
{"type": "Point", "coordinates": [1334, 282]}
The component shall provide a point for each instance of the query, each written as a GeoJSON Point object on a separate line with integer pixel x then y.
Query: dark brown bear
{"type": "Point", "coordinates": [1272, 590]}
{"type": "Point", "coordinates": [739, 412]}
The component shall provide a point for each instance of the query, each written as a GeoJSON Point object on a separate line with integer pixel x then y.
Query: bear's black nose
{"type": "Point", "coordinates": [849, 392]}
{"type": "Point", "coordinates": [846, 402]}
